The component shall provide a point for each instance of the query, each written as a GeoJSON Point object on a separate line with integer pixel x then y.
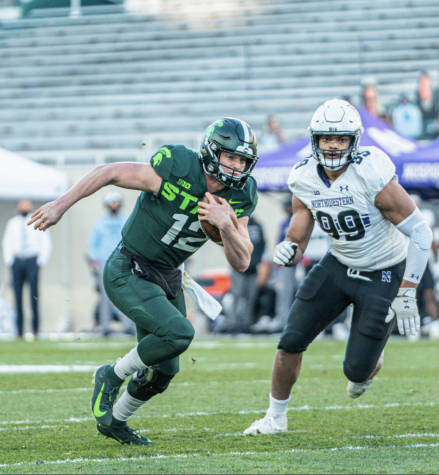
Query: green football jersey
{"type": "Point", "coordinates": [164, 227]}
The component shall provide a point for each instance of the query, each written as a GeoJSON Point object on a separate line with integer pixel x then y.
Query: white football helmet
{"type": "Point", "coordinates": [335, 117]}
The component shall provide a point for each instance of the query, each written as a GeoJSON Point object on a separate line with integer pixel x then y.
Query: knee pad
{"type": "Point", "coordinates": [292, 342]}
{"type": "Point", "coordinates": [181, 328]}
{"type": "Point", "coordinates": [179, 346]}
{"type": "Point", "coordinates": [357, 374]}
{"type": "Point", "coordinates": [147, 383]}
{"type": "Point", "coordinates": [181, 336]}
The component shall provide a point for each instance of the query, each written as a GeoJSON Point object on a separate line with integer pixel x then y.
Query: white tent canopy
{"type": "Point", "coordinates": [23, 178]}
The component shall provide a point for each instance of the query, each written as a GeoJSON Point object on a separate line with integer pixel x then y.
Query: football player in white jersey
{"type": "Point", "coordinates": [354, 196]}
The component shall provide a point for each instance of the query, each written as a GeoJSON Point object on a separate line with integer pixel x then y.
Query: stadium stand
{"type": "Point", "coordinates": [79, 87]}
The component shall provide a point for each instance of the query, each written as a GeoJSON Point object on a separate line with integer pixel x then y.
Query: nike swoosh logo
{"type": "Point", "coordinates": [96, 411]}
{"type": "Point", "coordinates": [114, 435]}
{"type": "Point", "coordinates": [234, 202]}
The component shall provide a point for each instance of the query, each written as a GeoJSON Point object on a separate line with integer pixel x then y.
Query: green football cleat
{"type": "Point", "coordinates": [125, 435]}
{"type": "Point", "coordinates": [104, 396]}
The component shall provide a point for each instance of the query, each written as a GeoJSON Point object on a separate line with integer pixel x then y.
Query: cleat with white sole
{"type": "Point", "coordinates": [268, 425]}
{"type": "Point", "coordinates": [357, 389]}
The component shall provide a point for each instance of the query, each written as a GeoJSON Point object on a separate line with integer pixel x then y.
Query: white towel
{"type": "Point", "coordinates": [208, 305]}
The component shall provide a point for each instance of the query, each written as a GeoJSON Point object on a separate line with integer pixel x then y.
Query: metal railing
{"type": "Point", "coordinates": [95, 157]}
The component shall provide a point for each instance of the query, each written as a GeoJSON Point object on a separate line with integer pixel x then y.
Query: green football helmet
{"type": "Point", "coordinates": [233, 136]}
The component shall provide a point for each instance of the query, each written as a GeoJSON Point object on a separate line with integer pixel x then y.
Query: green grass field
{"type": "Point", "coordinates": [46, 424]}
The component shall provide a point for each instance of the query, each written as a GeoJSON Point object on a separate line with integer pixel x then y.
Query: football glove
{"type": "Point", "coordinates": [284, 253]}
{"type": "Point", "coordinates": [406, 311]}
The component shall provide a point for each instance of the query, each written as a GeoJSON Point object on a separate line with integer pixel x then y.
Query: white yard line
{"type": "Point", "coordinates": [205, 366]}
{"type": "Point", "coordinates": [215, 413]}
{"type": "Point", "coordinates": [25, 368]}
{"type": "Point", "coordinates": [45, 368]}
{"type": "Point", "coordinates": [33, 427]}
{"type": "Point", "coordinates": [224, 454]}
{"type": "Point", "coordinates": [45, 391]}
{"type": "Point", "coordinates": [395, 436]}
{"type": "Point", "coordinates": [196, 384]}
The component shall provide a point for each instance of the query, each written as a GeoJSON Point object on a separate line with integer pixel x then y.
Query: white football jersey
{"type": "Point", "coordinates": [361, 238]}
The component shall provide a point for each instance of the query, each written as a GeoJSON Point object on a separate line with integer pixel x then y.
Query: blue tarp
{"type": "Point", "coordinates": [417, 165]}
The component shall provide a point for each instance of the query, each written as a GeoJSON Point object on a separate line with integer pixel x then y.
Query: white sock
{"type": "Point", "coordinates": [278, 408]}
{"type": "Point", "coordinates": [126, 406]}
{"type": "Point", "coordinates": [129, 364]}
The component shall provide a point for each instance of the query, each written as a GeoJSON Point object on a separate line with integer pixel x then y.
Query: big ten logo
{"type": "Point", "coordinates": [184, 184]}
{"type": "Point", "coordinates": [170, 192]}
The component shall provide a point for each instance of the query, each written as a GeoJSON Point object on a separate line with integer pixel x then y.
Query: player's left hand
{"type": "Point", "coordinates": [406, 310]}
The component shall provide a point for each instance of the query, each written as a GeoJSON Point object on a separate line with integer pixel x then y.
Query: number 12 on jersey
{"type": "Point", "coordinates": [175, 230]}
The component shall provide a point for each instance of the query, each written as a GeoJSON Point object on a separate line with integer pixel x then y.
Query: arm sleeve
{"type": "Point", "coordinates": [418, 251]}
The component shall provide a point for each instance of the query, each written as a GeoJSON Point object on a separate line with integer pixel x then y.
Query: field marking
{"type": "Point", "coordinates": [400, 436]}
{"type": "Point", "coordinates": [25, 368]}
{"type": "Point", "coordinates": [204, 384]}
{"type": "Point", "coordinates": [33, 427]}
{"type": "Point", "coordinates": [223, 454]}
{"type": "Point", "coordinates": [86, 345]}
{"type": "Point", "coordinates": [214, 413]}
{"type": "Point", "coordinates": [44, 391]}
{"type": "Point", "coordinates": [43, 368]}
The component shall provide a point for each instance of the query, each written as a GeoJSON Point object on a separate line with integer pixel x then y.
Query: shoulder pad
{"type": "Point", "coordinates": [374, 169]}
{"type": "Point", "coordinates": [299, 172]}
{"type": "Point", "coordinates": [173, 160]}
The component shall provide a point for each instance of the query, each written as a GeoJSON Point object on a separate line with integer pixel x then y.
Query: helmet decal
{"type": "Point", "coordinates": [211, 129]}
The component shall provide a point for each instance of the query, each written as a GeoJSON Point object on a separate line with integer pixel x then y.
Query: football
{"type": "Point", "coordinates": [211, 231]}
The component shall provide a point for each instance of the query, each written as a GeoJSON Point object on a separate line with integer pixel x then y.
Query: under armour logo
{"type": "Point", "coordinates": [386, 276]}
{"type": "Point", "coordinates": [413, 276]}
{"type": "Point", "coordinates": [347, 188]}
{"type": "Point", "coordinates": [317, 192]}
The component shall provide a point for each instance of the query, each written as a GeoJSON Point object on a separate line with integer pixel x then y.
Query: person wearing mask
{"type": "Point", "coordinates": [25, 251]}
{"type": "Point", "coordinates": [104, 237]}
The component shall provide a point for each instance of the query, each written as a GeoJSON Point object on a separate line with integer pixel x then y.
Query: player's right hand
{"type": "Point", "coordinates": [46, 216]}
{"type": "Point", "coordinates": [284, 253]}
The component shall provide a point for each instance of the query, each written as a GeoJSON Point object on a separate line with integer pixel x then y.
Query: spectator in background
{"type": "Point", "coordinates": [246, 286]}
{"type": "Point", "coordinates": [407, 118]}
{"type": "Point", "coordinates": [104, 237]}
{"type": "Point", "coordinates": [371, 101]}
{"type": "Point", "coordinates": [25, 251]}
{"type": "Point", "coordinates": [271, 133]}
{"type": "Point", "coordinates": [427, 99]}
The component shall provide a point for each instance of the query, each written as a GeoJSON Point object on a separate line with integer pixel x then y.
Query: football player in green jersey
{"type": "Point", "coordinates": [142, 277]}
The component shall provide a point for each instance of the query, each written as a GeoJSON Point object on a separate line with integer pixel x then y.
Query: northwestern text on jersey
{"type": "Point", "coordinates": [329, 202]}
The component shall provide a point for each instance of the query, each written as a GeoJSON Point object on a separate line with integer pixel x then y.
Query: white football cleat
{"type": "Point", "coordinates": [268, 425]}
{"type": "Point", "coordinates": [357, 389]}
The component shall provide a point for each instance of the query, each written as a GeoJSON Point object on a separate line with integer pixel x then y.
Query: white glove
{"type": "Point", "coordinates": [406, 311]}
{"type": "Point", "coordinates": [284, 253]}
